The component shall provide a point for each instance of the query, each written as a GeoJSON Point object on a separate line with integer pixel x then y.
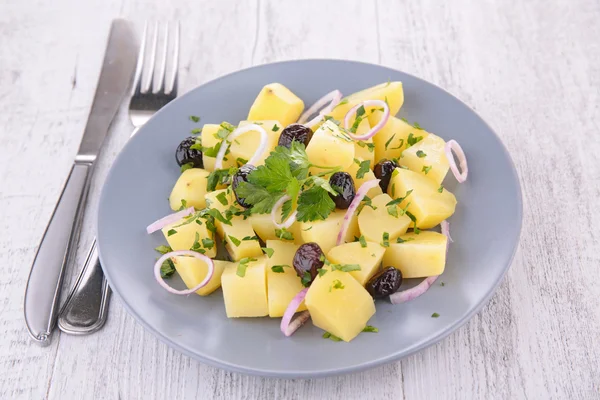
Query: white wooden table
{"type": "Point", "coordinates": [530, 68]}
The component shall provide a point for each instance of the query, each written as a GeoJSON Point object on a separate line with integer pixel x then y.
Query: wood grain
{"type": "Point", "coordinates": [531, 69]}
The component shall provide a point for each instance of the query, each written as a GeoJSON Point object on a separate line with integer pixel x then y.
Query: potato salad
{"type": "Point", "coordinates": [310, 214]}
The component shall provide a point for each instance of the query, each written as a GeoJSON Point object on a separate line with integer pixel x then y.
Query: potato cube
{"type": "Point", "coordinates": [246, 296]}
{"type": "Point", "coordinates": [265, 228]}
{"type": "Point", "coordinates": [390, 91]}
{"type": "Point", "coordinates": [392, 139]}
{"type": "Point", "coordinates": [418, 256]}
{"type": "Point", "coordinates": [190, 187]}
{"type": "Point", "coordinates": [373, 223]}
{"type": "Point", "coordinates": [324, 232]}
{"type": "Point", "coordinates": [426, 202]}
{"type": "Point", "coordinates": [329, 147]}
{"type": "Point", "coordinates": [283, 283]}
{"type": "Point", "coordinates": [368, 257]}
{"type": "Point", "coordinates": [193, 271]}
{"type": "Point", "coordinates": [276, 102]}
{"type": "Point", "coordinates": [427, 157]}
{"type": "Point", "coordinates": [339, 304]}
{"type": "Point", "coordinates": [183, 234]}
{"type": "Point", "coordinates": [246, 144]}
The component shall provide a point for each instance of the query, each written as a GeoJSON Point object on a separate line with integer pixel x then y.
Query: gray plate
{"type": "Point", "coordinates": [485, 229]}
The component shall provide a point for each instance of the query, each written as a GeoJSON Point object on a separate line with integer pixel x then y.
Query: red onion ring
{"type": "Point", "coordinates": [169, 219]}
{"type": "Point", "coordinates": [288, 222]}
{"type": "Point", "coordinates": [333, 98]}
{"type": "Point", "coordinates": [288, 327]}
{"type": "Point", "coordinates": [445, 225]}
{"type": "Point", "coordinates": [413, 293]}
{"type": "Point", "coordinates": [360, 194]}
{"type": "Point", "coordinates": [452, 145]}
{"type": "Point", "coordinates": [377, 127]}
{"type": "Point", "coordinates": [237, 132]}
{"type": "Point", "coordinates": [161, 282]}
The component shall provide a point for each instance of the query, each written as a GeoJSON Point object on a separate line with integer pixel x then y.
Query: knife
{"type": "Point", "coordinates": [59, 242]}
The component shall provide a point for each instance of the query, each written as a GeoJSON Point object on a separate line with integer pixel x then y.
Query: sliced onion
{"type": "Point", "coordinates": [413, 293]}
{"type": "Point", "coordinates": [169, 219]}
{"type": "Point", "coordinates": [288, 222]}
{"type": "Point", "coordinates": [377, 127]}
{"type": "Point", "coordinates": [360, 194]}
{"type": "Point", "coordinates": [237, 132]}
{"type": "Point", "coordinates": [333, 98]}
{"type": "Point", "coordinates": [161, 281]}
{"type": "Point", "coordinates": [452, 145]}
{"type": "Point", "coordinates": [288, 327]}
{"type": "Point", "coordinates": [445, 225]}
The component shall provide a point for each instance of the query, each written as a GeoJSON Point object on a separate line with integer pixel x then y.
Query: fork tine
{"type": "Point", "coordinates": [149, 83]}
{"type": "Point", "coordinates": [163, 68]}
{"type": "Point", "coordinates": [137, 80]}
{"type": "Point", "coordinates": [173, 84]}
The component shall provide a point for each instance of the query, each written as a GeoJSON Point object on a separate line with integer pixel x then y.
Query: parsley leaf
{"type": "Point", "coordinates": [216, 214]}
{"type": "Point", "coordinates": [284, 234]}
{"type": "Point", "coordinates": [370, 328]}
{"type": "Point", "coordinates": [243, 265]}
{"type": "Point", "coordinates": [389, 141]}
{"type": "Point", "coordinates": [399, 199]}
{"type": "Point", "coordinates": [393, 210]}
{"type": "Point", "coordinates": [194, 118]}
{"type": "Point", "coordinates": [167, 269]}
{"type": "Point", "coordinates": [412, 139]}
{"type": "Point", "coordinates": [261, 199]}
{"type": "Point", "coordinates": [337, 284]}
{"type": "Point", "coordinates": [275, 128]}
{"type": "Point", "coordinates": [345, 267]}
{"type": "Point", "coordinates": [330, 336]}
{"type": "Point", "coordinates": [400, 240]}
{"type": "Point", "coordinates": [435, 315]}
{"type": "Point", "coordinates": [279, 268]}
{"type": "Point", "coordinates": [386, 240]}
{"type": "Point", "coordinates": [363, 241]}
{"type": "Point", "coordinates": [414, 220]}
{"type": "Point", "coordinates": [421, 154]}
{"type": "Point", "coordinates": [268, 251]}
{"type": "Point", "coordinates": [365, 166]}
{"type": "Point", "coordinates": [322, 271]}
{"type": "Point", "coordinates": [208, 243]}
{"type": "Point", "coordinates": [162, 249]}
{"type": "Point", "coordinates": [314, 204]}
{"type": "Point", "coordinates": [171, 232]}
{"type": "Point", "coordinates": [274, 175]}
{"type": "Point", "coordinates": [219, 176]}
{"type": "Point", "coordinates": [235, 240]}
{"type": "Point", "coordinates": [306, 278]}
{"type": "Point", "coordinates": [440, 189]}
{"type": "Point", "coordinates": [196, 131]}
{"type": "Point", "coordinates": [426, 169]}
{"type": "Point", "coordinates": [417, 126]}
{"type": "Point", "coordinates": [394, 189]}
{"type": "Point", "coordinates": [187, 166]}
{"type": "Point", "coordinates": [222, 197]}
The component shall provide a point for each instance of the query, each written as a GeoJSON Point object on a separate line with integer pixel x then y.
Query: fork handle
{"type": "Point", "coordinates": [86, 308]}
{"type": "Point", "coordinates": [58, 243]}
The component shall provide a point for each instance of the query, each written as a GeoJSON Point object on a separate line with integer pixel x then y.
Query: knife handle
{"type": "Point", "coordinates": [58, 243]}
{"type": "Point", "coordinates": [86, 309]}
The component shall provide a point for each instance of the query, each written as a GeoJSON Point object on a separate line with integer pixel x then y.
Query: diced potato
{"type": "Point", "coordinates": [239, 229]}
{"type": "Point", "coordinates": [193, 271]}
{"type": "Point", "coordinates": [186, 233]}
{"type": "Point", "coordinates": [209, 139]}
{"type": "Point", "coordinates": [419, 255]}
{"type": "Point", "coordinates": [364, 149]}
{"type": "Point", "coordinates": [282, 286]}
{"type": "Point", "coordinates": [276, 102]}
{"type": "Point", "coordinates": [324, 232]}
{"type": "Point", "coordinates": [427, 157]}
{"type": "Point", "coordinates": [426, 203]}
{"type": "Point", "coordinates": [191, 187]}
{"type": "Point", "coordinates": [353, 170]}
{"type": "Point", "coordinates": [369, 258]}
{"type": "Point", "coordinates": [329, 147]}
{"type": "Point", "coordinates": [265, 229]}
{"type": "Point", "coordinates": [246, 144]}
{"type": "Point", "coordinates": [392, 139]}
{"type": "Point", "coordinates": [246, 296]}
{"type": "Point", "coordinates": [392, 91]}
{"type": "Point", "coordinates": [373, 223]}
{"type": "Point", "coordinates": [339, 304]}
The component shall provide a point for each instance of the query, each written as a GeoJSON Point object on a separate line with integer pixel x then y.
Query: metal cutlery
{"type": "Point", "coordinates": [86, 308]}
{"type": "Point", "coordinates": [60, 238]}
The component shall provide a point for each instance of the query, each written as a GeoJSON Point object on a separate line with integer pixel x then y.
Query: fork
{"type": "Point", "coordinates": [86, 307]}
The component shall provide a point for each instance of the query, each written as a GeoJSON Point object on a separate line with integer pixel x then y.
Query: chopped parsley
{"type": "Point", "coordinates": [393, 210]}
{"type": "Point", "coordinates": [208, 243]}
{"type": "Point", "coordinates": [234, 240]}
{"type": "Point", "coordinates": [435, 315]}
{"type": "Point", "coordinates": [399, 199]}
{"type": "Point", "coordinates": [275, 128]}
{"type": "Point", "coordinates": [183, 205]}
{"type": "Point", "coordinates": [442, 284]}
{"type": "Point", "coordinates": [331, 336]}
{"type": "Point", "coordinates": [279, 268]}
{"type": "Point", "coordinates": [268, 251]}
{"type": "Point", "coordinates": [243, 265]}
{"type": "Point", "coordinates": [440, 189]}
{"type": "Point", "coordinates": [284, 234]}
{"type": "Point", "coordinates": [196, 244]}
{"type": "Point", "coordinates": [360, 115]}
{"type": "Point", "coordinates": [306, 278]}
{"type": "Point", "coordinates": [386, 239]}
{"type": "Point", "coordinates": [219, 176]}
{"type": "Point", "coordinates": [167, 269]}
{"type": "Point", "coordinates": [370, 328]}
{"type": "Point", "coordinates": [426, 169]}
{"type": "Point", "coordinates": [369, 146]}
{"type": "Point", "coordinates": [389, 141]}
{"type": "Point", "coordinates": [216, 214]}
{"type": "Point", "coordinates": [395, 173]}
{"type": "Point", "coordinates": [414, 220]}
{"type": "Point", "coordinates": [241, 161]}
{"type": "Point", "coordinates": [400, 145]}
{"type": "Point", "coordinates": [162, 249]}
{"type": "Point", "coordinates": [363, 241]}
{"type": "Point", "coordinates": [222, 197]}
{"type": "Point", "coordinates": [196, 131]}
{"type": "Point", "coordinates": [417, 126]}
{"type": "Point", "coordinates": [411, 140]}
{"type": "Point", "coordinates": [344, 101]}
{"type": "Point", "coordinates": [345, 267]}
{"type": "Point", "coordinates": [194, 118]}
{"type": "Point", "coordinates": [322, 271]}
{"type": "Point", "coordinates": [307, 229]}
{"type": "Point", "coordinates": [421, 154]}
{"type": "Point", "coordinates": [394, 189]}
{"type": "Point", "coordinates": [187, 166]}
{"type": "Point", "coordinates": [400, 240]}
{"type": "Point", "coordinates": [171, 232]}
{"type": "Point", "coordinates": [249, 238]}
{"type": "Point", "coordinates": [364, 167]}
{"type": "Point", "coordinates": [337, 284]}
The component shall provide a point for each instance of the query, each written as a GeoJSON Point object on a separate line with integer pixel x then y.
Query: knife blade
{"type": "Point", "coordinates": [42, 293]}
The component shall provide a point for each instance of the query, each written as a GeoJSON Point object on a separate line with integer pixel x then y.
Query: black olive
{"type": "Point", "coordinates": [308, 258]}
{"type": "Point", "coordinates": [185, 155]}
{"type": "Point", "coordinates": [383, 171]}
{"type": "Point", "coordinates": [342, 183]}
{"type": "Point", "coordinates": [384, 283]}
{"type": "Point", "coordinates": [297, 132]}
{"type": "Point", "coordinates": [241, 176]}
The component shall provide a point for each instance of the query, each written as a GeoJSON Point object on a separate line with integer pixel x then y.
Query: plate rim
{"type": "Point", "coordinates": [322, 373]}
